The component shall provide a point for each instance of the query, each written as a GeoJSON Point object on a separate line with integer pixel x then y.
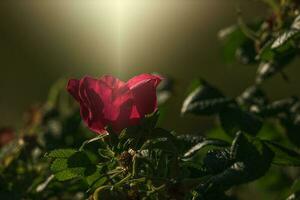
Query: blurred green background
{"type": "Point", "coordinates": [42, 41]}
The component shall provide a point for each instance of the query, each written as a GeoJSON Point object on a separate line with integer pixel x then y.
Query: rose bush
{"type": "Point", "coordinates": [257, 138]}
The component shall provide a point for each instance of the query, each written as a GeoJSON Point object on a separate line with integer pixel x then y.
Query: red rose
{"type": "Point", "coordinates": [6, 135]}
{"type": "Point", "coordinates": [110, 101]}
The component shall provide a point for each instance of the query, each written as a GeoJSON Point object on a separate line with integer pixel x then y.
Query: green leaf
{"type": "Point", "coordinates": [165, 90]}
{"type": "Point", "coordinates": [185, 141]}
{"type": "Point", "coordinates": [108, 192]}
{"type": "Point", "coordinates": [296, 23]}
{"type": "Point", "coordinates": [91, 179]}
{"type": "Point", "coordinates": [294, 196]}
{"type": "Point", "coordinates": [233, 119]}
{"type": "Point", "coordinates": [150, 121]}
{"type": "Point", "coordinates": [62, 153]}
{"type": "Point", "coordinates": [97, 138]}
{"type": "Point", "coordinates": [218, 132]}
{"type": "Point", "coordinates": [238, 43]}
{"type": "Point", "coordinates": [252, 153]}
{"type": "Point", "coordinates": [106, 153]}
{"type": "Point", "coordinates": [161, 133]}
{"type": "Point", "coordinates": [217, 160]}
{"type": "Point", "coordinates": [79, 159]}
{"type": "Point", "coordinates": [68, 174]}
{"type": "Point", "coordinates": [292, 129]}
{"type": "Point", "coordinates": [288, 39]}
{"type": "Point", "coordinates": [194, 84]}
{"type": "Point", "coordinates": [207, 107]}
{"type": "Point", "coordinates": [278, 52]}
{"type": "Point", "coordinates": [232, 38]}
{"type": "Point", "coordinates": [204, 100]}
{"type": "Point", "coordinates": [76, 164]}
{"type": "Point", "coordinates": [270, 68]}
{"type": "Point", "coordinates": [283, 155]}
{"type": "Point", "coordinates": [283, 44]}
{"type": "Point", "coordinates": [266, 53]}
{"type": "Point", "coordinates": [163, 144]}
{"type": "Point", "coordinates": [207, 142]}
{"type": "Point", "coordinates": [189, 139]}
{"type": "Point", "coordinates": [266, 70]}
{"type": "Point", "coordinates": [276, 107]}
{"type": "Point", "coordinates": [285, 40]}
{"type": "Point", "coordinates": [296, 186]}
{"type": "Point", "coordinates": [251, 157]}
{"type": "Point", "coordinates": [97, 178]}
{"type": "Point", "coordinates": [294, 193]}
{"type": "Point", "coordinates": [253, 95]}
{"type": "Point", "coordinates": [270, 131]}
{"type": "Point", "coordinates": [59, 164]}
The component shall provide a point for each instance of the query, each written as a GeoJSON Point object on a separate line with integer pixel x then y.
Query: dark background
{"type": "Point", "coordinates": [42, 41]}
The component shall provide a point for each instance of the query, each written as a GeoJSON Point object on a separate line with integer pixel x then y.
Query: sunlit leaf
{"type": "Point", "coordinates": [62, 153]}
{"type": "Point", "coordinates": [205, 100]}
{"type": "Point", "coordinates": [207, 142]}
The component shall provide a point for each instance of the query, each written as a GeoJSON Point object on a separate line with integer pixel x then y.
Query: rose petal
{"type": "Point", "coordinates": [91, 104]}
{"type": "Point", "coordinates": [135, 81]}
{"type": "Point", "coordinates": [125, 119]}
{"type": "Point", "coordinates": [143, 88]}
{"type": "Point", "coordinates": [111, 81]}
{"type": "Point", "coordinates": [113, 93]}
{"type": "Point", "coordinates": [118, 103]}
{"type": "Point", "coordinates": [73, 88]}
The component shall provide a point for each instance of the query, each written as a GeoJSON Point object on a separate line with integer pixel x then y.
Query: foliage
{"type": "Point", "coordinates": [255, 141]}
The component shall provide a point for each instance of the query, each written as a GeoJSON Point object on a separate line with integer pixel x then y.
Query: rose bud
{"type": "Point", "coordinates": [6, 135]}
{"type": "Point", "coordinates": [108, 101]}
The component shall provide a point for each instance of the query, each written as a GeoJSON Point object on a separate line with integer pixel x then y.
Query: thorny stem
{"type": "Point", "coordinates": [157, 189]}
{"type": "Point", "coordinates": [138, 180]}
{"type": "Point", "coordinates": [99, 137]}
{"type": "Point", "coordinates": [107, 175]}
{"type": "Point", "coordinates": [134, 165]}
{"type": "Point", "coordinates": [43, 185]}
{"type": "Point", "coordinates": [122, 181]}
